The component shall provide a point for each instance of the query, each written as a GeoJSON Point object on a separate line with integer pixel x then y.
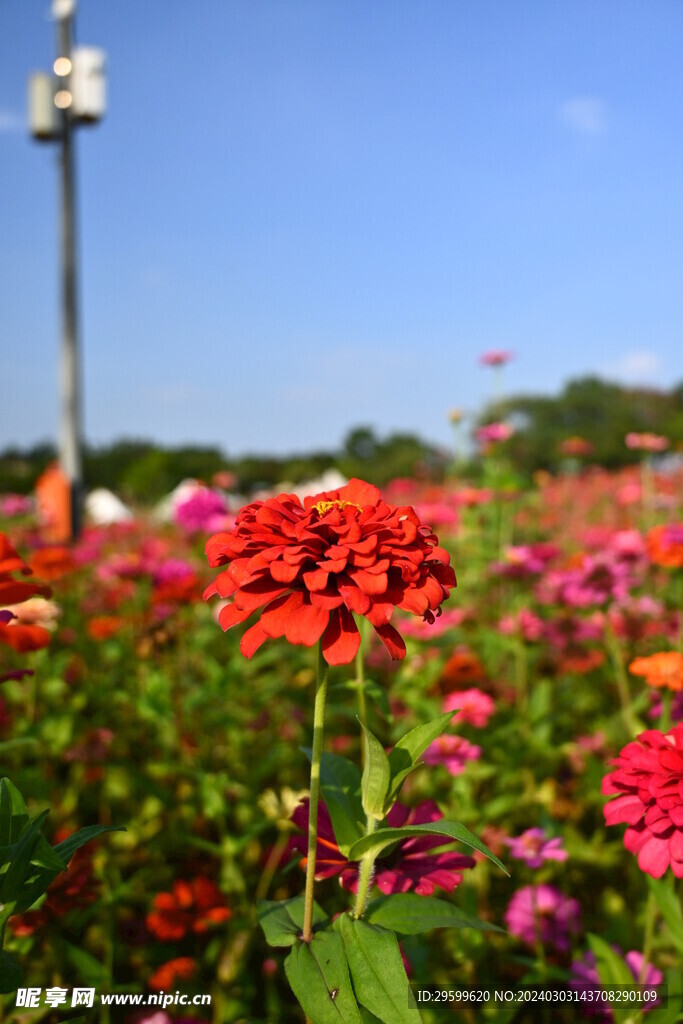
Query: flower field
{"type": "Point", "coordinates": [174, 682]}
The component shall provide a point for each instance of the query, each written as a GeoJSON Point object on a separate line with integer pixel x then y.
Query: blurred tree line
{"type": "Point", "coordinates": [143, 472]}
{"type": "Point", "coordinates": [596, 410]}
{"type": "Point", "coordinates": [599, 411]}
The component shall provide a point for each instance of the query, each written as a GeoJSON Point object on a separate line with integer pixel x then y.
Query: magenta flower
{"type": "Point", "coordinates": [496, 357]}
{"type": "Point", "coordinates": [203, 511]}
{"type": "Point", "coordinates": [534, 848]}
{"type": "Point", "coordinates": [453, 752]}
{"type": "Point", "coordinates": [413, 865]}
{"type": "Point", "coordinates": [525, 560]}
{"type": "Point", "coordinates": [542, 913]}
{"type": "Point", "coordinates": [476, 707]}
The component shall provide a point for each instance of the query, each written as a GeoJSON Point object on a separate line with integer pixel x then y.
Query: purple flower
{"type": "Point", "coordinates": [541, 913]}
{"type": "Point", "coordinates": [534, 848]}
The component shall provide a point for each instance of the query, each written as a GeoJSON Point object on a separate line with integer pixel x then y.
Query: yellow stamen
{"type": "Point", "coordinates": [322, 507]}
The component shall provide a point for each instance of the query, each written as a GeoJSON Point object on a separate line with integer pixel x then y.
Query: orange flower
{"type": "Point", "coordinates": [165, 977]}
{"type": "Point", "coordinates": [51, 563]}
{"type": "Point", "coordinates": [665, 545]}
{"type": "Point", "coordinates": [664, 669]}
{"type": "Point", "coordinates": [464, 666]}
{"type": "Point", "coordinates": [104, 626]}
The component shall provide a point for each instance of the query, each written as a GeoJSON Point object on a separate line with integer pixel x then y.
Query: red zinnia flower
{"type": "Point", "coordinates": [166, 976]}
{"type": "Point", "coordinates": [649, 783]}
{"type": "Point", "coordinates": [21, 637]}
{"type": "Point", "coordinates": [313, 565]}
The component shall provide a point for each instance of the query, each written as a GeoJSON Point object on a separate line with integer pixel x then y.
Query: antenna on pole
{"type": "Point", "coordinates": [74, 94]}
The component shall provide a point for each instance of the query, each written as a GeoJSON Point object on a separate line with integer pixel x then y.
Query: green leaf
{"type": "Point", "coordinates": [13, 813]}
{"type": "Point", "coordinates": [340, 781]}
{"type": "Point", "coordinates": [379, 977]}
{"type": "Point", "coordinates": [89, 969]}
{"type": "Point", "coordinates": [283, 920]}
{"type": "Point", "coordinates": [20, 860]}
{"type": "Point", "coordinates": [10, 973]}
{"type": "Point", "coordinates": [670, 908]}
{"type": "Point", "coordinates": [74, 842]}
{"type": "Point", "coordinates": [612, 970]}
{"type": "Point", "coordinates": [378, 841]}
{"type": "Point", "coordinates": [403, 758]}
{"type": "Point", "coordinates": [410, 914]}
{"type": "Point", "coordinates": [318, 974]}
{"type": "Point", "coordinates": [376, 775]}
{"type": "Point", "coordinates": [415, 742]}
{"type": "Point", "coordinates": [673, 1013]}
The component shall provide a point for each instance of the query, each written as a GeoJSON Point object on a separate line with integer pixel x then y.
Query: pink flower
{"type": "Point", "coordinates": [204, 511]}
{"type": "Point", "coordinates": [523, 623]}
{"type": "Point", "coordinates": [526, 560]}
{"type": "Point", "coordinates": [453, 752]}
{"type": "Point", "coordinates": [496, 357]}
{"type": "Point", "coordinates": [490, 433]}
{"type": "Point", "coordinates": [542, 913]}
{"type": "Point", "coordinates": [534, 848]}
{"type": "Point", "coordinates": [648, 785]}
{"type": "Point", "coordinates": [476, 707]}
{"type": "Point", "coordinates": [646, 442]}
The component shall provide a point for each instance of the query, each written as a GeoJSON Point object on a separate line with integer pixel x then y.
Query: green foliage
{"type": "Point", "coordinates": [384, 837]}
{"type": "Point", "coordinates": [282, 921]}
{"type": "Point", "coordinates": [410, 914]}
{"type": "Point", "coordinates": [318, 973]}
{"type": "Point", "coordinates": [600, 411]}
{"type": "Point", "coordinates": [379, 977]}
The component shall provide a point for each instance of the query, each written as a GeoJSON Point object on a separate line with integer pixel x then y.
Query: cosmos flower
{"type": "Point", "coordinates": [542, 913]}
{"type": "Point", "coordinates": [648, 789]}
{"type": "Point", "coordinates": [311, 567]}
{"type": "Point", "coordinates": [535, 848]}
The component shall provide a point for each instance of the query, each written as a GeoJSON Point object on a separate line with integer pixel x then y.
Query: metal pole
{"type": "Point", "coordinates": [70, 432]}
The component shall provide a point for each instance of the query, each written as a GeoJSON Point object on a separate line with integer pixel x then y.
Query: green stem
{"type": "Point", "coordinates": [360, 680]}
{"type": "Point", "coordinates": [316, 756]}
{"type": "Point", "coordinates": [665, 717]}
{"type": "Point", "coordinates": [365, 875]}
{"type": "Point", "coordinates": [650, 918]}
{"type": "Point", "coordinates": [622, 681]}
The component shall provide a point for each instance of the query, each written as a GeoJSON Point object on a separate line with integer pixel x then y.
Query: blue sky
{"type": "Point", "coordinates": [303, 215]}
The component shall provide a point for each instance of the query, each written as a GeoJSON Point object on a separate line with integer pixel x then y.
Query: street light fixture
{"type": "Point", "coordinates": [74, 94]}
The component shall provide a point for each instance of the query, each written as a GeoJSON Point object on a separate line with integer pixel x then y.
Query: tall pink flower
{"type": "Point", "coordinates": [496, 357]}
{"type": "Point", "coordinates": [534, 847]}
{"type": "Point", "coordinates": [648, 786]}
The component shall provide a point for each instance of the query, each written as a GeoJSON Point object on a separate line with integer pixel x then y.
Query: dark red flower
{"type": "Point", "coordinates": [648, 784]}
{"type": "Point", "coordinates": [414, 865]}
{"type": "Point", "coordinates": [311, 567]}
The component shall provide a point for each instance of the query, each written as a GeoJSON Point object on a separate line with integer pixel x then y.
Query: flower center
{"type": "Point", "coordinates": [322, 507]}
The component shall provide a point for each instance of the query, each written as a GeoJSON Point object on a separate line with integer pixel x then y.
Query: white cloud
{"type": "Point", "coordinates": [635, 367]}
{"type": "Point", "coordinates": [585, 115]}
{"type": "Point", "coordinates": [10, 121]}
